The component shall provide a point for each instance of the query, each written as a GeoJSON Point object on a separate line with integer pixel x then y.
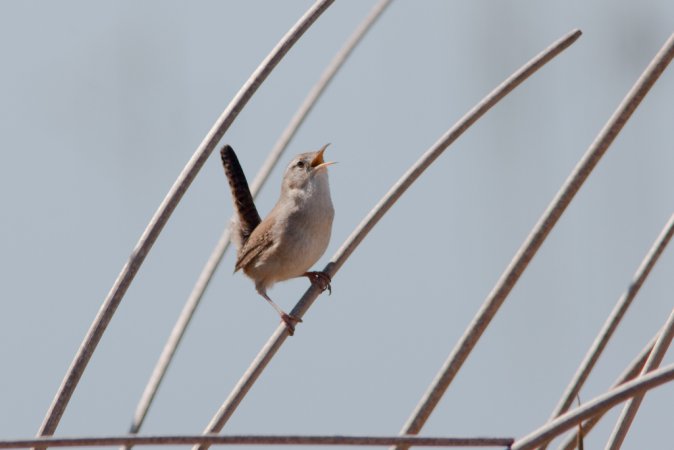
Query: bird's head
{"type": "Point", "coordinates": [305, 169]}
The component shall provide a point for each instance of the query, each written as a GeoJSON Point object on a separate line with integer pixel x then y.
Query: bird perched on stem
{"type": "Point", "coordinates": [295, 233]}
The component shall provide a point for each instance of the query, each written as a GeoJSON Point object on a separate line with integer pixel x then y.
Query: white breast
{"type": "Point", "coordinates": [303, 234]}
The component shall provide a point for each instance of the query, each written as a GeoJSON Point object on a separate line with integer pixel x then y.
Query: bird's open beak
{"type": "Point", "coordinates": [318, 162]}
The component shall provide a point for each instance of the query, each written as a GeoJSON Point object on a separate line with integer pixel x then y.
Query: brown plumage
{"type": "Point", "coordinates": [243, 200]}
{"type": "Point", "coordinates": [295, 233]}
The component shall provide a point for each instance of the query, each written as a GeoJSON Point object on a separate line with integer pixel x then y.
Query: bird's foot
{"type": "Point", "coordinates": [321, 280]}
{"type": "Point", "coordinates": [290, 322]}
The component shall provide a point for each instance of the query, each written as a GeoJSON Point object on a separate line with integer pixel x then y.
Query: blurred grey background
{"type": "Point", "coordinates": [102, 103]}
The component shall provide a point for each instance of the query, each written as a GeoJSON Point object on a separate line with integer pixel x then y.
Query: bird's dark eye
{"type": "Point", "coordinates": [300, 164]}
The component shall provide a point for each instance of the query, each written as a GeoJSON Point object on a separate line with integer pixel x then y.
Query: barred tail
{"type": "Point", "coordinates": [246, 211]}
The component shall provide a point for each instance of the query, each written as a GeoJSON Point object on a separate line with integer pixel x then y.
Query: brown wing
{"type": "Point", "coordinates": [260, 240]}
{"type": "Point", "coordinates": [249, 218]}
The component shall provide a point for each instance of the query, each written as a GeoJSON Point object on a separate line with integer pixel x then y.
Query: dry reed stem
{"type": "Point", "coordinates": [614, 318]}
{"type": "Point", "coordinates": [164, 212]}
{"type": "Point", "coordinates": [598, 405]}
{"type": "Point", "coordinates": [633, 370]}
{"type": "Point", "coordinates": [535, 239]}
{"type": "Point", "coordinates": [630, 409]}
{"type": "Point", "coordinates": [220, 248]}
{"type": "Point", "coordinates": [131, 440]}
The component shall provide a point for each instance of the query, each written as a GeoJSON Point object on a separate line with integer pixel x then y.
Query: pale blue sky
{"type": "Point", "coordinates": [102, 103]}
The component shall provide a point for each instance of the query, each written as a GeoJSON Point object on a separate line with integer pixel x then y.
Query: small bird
{"type": "Point", "coordinates": [293, 236]}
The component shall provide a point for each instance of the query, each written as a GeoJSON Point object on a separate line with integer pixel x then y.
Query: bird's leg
{"type": "Point", "coordinates": [320, 279]}
{"type": "Point", "coordinates": [288, 319]}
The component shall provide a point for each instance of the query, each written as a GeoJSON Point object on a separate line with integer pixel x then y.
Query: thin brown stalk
{"type": "Point", "coordinates": [164, 212]}
{"type": "Point", "coordinates": [220, 248]}
{"type": "Point", "coordinates": [380, 441]}
{"type": "Point", "coordinates": [632, 371]}
{"type": "Point", "coordinates": [614, 318]}
{"type": "Point", "coordinates": [279, 336]}
{"type": "Point", "coordinates": [598, 405]}
{"type": "Point", "coordinates": [534, 241]}
{"type": "Point", "coordinates": [632, 407]}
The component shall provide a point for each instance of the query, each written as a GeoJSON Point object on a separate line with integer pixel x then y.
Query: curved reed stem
{"type": "Point", "coordinates": [598, 405]}
{"type": "Point", "coordinates": [614, 318]}
{"type": "Point", "coordinates": [164, 212]}
{"type": "Point", "coordinates": [630, 409]}
{"type": "Point", "coordinates": [535, 239]}
{"type": "Point", "coordinates": [381, 441]}
{"type": "Point", "coordinates": [220, 248]}
{"type": "Point", "coordinates": [279, 336]}
{"type": "Point", "coordinates": [632, 371]}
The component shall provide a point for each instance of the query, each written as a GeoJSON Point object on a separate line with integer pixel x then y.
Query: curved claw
{"type": "Point", "coordinates": [290, 322]}
{"type": "Point", "coordinates": [321, 280]}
